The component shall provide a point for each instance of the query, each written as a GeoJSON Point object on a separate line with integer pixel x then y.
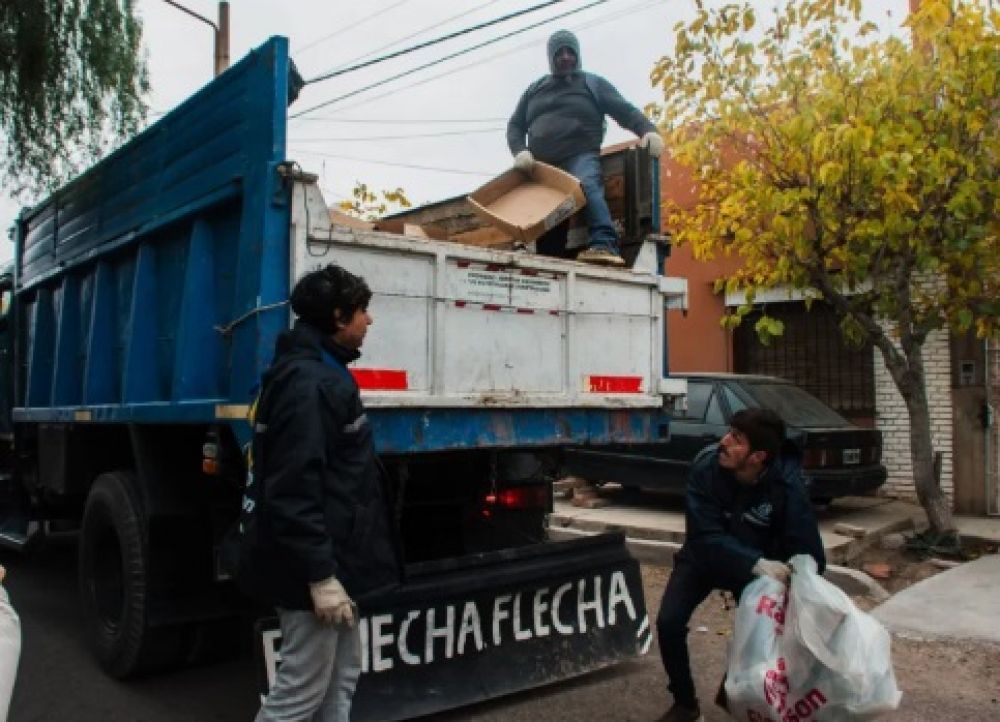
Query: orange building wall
{"type": "Point", "coordinates": [697, 342]}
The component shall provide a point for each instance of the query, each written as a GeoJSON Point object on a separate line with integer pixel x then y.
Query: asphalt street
{"type": "Point", "coordinates": [59, 681]}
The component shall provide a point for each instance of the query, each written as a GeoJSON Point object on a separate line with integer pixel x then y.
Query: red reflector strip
{"type": "Point", "coordinates": [525, 310]}
{"type": "Point", "coordinates": [491, 307]}
{"type": "Point", "coordinates": [381, 379]}
{"type": "Point", "coordinates": [614, 384]}
{"type": "Point", "coordinates": [459, 304]}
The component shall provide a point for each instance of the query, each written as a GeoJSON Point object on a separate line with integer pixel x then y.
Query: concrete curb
{"type": "Point", "coordinates": [661, 553]}
{"type": "Point", "coordinates": [855, 582]}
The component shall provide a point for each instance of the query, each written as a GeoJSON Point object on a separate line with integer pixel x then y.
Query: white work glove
{"type": "Point", "coordinates": [524, 161]}
{"type": "Point", "coordinates": [331, 603]}
{"type": "Point", "coordinates": [770, 568]}
{"type": "Point", "coordinates": [654, 142]}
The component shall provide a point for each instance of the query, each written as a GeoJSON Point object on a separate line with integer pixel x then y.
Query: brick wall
{"type": "Point", "coordinates": [892, 418]}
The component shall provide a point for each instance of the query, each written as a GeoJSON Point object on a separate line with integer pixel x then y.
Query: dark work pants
{"type": "Point", "coordinates": [687, 588]}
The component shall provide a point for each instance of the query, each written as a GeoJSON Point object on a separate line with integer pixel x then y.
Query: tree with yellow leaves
{"type": "Point", "coordinates": [859, 170]}
{"type": "Point", "coordinates": [370, 205]}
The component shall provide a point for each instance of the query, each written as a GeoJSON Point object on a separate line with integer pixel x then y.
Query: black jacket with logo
{"type": "Point", "coordinates": [320, 506]}
{"type": "Point", "coordinates": [731, 525]}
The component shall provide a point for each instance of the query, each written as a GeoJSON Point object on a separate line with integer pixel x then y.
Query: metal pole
{"type": "Point", "coordinates": [222, 39]}
{"type": "Point", "coordinates": [215, 28]}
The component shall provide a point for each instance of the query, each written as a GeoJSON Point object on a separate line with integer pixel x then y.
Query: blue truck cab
{"type": "Point", "coordinates": [141, 310]}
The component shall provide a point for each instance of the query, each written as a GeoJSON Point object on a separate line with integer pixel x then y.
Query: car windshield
{"type": "Point", "coordinates": [796, 406]}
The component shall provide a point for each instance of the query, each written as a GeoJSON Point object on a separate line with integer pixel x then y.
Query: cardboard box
{"type": "Point", "coordinates": [339, 218]}
{"type": "Point", "coordinates": [527, 205]}
{"type": "Point", "coordinates": [413, 230]}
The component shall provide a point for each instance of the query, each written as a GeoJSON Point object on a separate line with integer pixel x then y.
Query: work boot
{"type": "Point", "coordinates": [600, 257]}
{"type": "Point", "coordinates": [680, 713]}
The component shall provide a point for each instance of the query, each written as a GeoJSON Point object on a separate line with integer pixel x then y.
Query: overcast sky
{"type": "Point", "coordinates": [468, 98]}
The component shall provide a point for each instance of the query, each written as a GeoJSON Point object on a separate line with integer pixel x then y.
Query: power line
{"type": "Point", "coordinates": [441, 134]}
{"type": "Point", "coordinates": [397, 41]}
{"type": "Point", "coordinates": [446, 58]}
{"type": "Point", "coordinates": [435, 41]}
{"type": "Point", "coordinates": [610, 17]}
{"type": "Point", "coordinates": [437, 169]}
{"type": "Point", "coordinates": [341, 31]}
{"type": "Point", "coordinates": [403, 121]}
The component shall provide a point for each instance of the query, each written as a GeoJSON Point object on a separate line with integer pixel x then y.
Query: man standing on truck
{"type": "Point", "coordinates": [562, 116]}
{"type": "Point", "coordinates": [747, 514]}
{"type": "Point", "coordinates": [318, 536]}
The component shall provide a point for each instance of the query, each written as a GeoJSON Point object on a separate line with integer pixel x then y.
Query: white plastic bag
{"type": "Point", "coordinates": [807, 653]}
{"type": "Point", "coordinates": [10, 650]}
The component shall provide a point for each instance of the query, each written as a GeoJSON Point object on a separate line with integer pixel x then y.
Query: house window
{"type": "Point", "coordinates": [813, 354]}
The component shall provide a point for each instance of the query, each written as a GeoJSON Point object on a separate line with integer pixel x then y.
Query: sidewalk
{"type": "Point", "coordinates": [960, 603]}
{"type": "Point", "coordinates": [868, 520]}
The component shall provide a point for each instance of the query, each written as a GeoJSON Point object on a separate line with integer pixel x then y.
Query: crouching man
{"type": "Point", "coordinates": [747, 514]}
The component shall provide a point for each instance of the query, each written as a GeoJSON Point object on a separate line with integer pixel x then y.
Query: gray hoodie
{"type": "Point", "coordinates": [562, 115]}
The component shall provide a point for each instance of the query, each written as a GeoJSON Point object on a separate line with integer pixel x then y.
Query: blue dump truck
{"type": "Point", "coordinates": [142, 308]}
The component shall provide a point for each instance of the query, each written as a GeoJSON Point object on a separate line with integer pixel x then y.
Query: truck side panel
{"type": "Point", "coordinates": [139, 282]}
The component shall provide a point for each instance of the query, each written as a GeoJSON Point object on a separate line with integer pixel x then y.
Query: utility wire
{"type": "Point", "coordinates": [442, 134]}
{"type": "Point", "coordinates": [437, 169]}
{"type": "Point", "coordinates": [435, 41]}
{"type": "Point", "coordinates": [609, 17]}
{"type": "Point", "coordinates": [403, 121]}
{"type": "Point", "coordinates": [397, 41]}
{"type": "Point", "coordinates": [341, 31]}
{"type": "Point", "coordinates": [446, 58]}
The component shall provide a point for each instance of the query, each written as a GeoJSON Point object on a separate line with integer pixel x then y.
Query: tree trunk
{"type": "Point", "coordinates": [914, 391]}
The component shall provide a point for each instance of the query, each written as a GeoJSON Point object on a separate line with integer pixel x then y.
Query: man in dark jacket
{"type": "Point", "coordinates": [320, 537]}
{"type": "Point", "coordinates": [562, 117]}
{"type": "Point", "coordinates": [747, 514]}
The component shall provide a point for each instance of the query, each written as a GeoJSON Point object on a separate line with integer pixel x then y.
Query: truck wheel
{"type": "Point", "coordinates": [115, 582]}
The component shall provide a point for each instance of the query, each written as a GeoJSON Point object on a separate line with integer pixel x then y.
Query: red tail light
{"type": "Point", "coordinates": [519, 497]}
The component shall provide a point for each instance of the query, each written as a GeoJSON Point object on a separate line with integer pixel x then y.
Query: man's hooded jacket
{"type": "Point", "coordinates": [319, 506]}
{"type": "Point", "coordinates": [562, 115]}
{"type": "Point", "coordinates": [731, 525]}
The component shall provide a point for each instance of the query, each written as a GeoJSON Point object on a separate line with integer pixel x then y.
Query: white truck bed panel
{"type": "Point", "coordinates": [460, 326]}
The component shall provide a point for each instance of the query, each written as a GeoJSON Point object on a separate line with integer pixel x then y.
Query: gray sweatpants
{"type": "Point", "coordinates": [319, 671]}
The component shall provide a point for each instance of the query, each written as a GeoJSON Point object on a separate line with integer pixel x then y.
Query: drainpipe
{"type": "Point", "coordinates": [992, 494]}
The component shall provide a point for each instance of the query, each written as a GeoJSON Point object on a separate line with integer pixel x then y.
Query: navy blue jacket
{"type": "Point", "coordinates": [321, 508]}
{"type": "Point", "coordinates": [731, 525]}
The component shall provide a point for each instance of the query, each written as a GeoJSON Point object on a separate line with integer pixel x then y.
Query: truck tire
{"type": "Point", "coordinates": [115, 582]}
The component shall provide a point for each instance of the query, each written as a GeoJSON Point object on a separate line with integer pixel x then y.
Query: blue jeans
{"type": "Point", "coordinates": [587, 169]}
{"type": "Point", "coordinates": [318, 673]}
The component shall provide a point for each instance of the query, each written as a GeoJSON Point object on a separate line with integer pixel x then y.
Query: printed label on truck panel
{"type": "Point", "coordinates": [511, 287]}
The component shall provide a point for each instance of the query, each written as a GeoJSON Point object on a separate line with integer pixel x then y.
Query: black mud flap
{"type": "Point", "coordinates": [473, 628]}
